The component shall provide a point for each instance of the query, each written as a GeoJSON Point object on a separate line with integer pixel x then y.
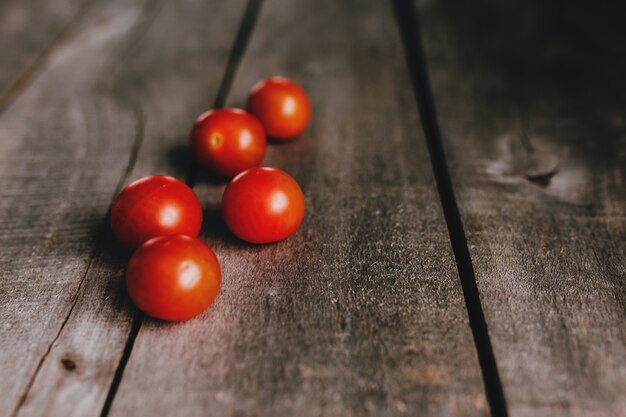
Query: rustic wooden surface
{"type": "Point", "coordinates": [59, 172]}
{"type": "Point", "coordinates": [113, 103]}
{"type": "Point", "coordinates": [29, 32]}
{"type": "Point", "coordinates": [366, 310]}
{"type": "Point", "coordinates": [358, 313]}
{"type": "Point", "coordinates": [531, 110]}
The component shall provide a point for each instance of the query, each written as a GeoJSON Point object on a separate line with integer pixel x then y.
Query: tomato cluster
{"type": "Point", "coordinates": [172, 275]}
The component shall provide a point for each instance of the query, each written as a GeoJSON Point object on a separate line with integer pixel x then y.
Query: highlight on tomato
{"type": "Point", "coordinates": [228, 141]}
{"type": "Point", "coordinates": [153, 206]}
{"type": "Point", "coordinates": [173, 277]}
{"type": "Point", "coordinates": [263, 205]}
{"type": "Point", "coordinates": [282, 107]}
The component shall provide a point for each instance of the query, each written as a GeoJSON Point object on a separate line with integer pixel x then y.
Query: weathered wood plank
{"type": "Point", "coordinates": [166, 70]}
{"type": "Point", "coordinates": [531, 108]}
{"type": "Point", "coordinates": [360, 312]}
{"type": "Point", "coordinates": [29, 30]}
{"type": "Point", "coordinates": [58, 173]}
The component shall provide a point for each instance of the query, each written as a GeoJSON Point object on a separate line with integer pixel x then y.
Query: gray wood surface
{"type": "Point", "coordinates": [114, 102]}
{"type": "Point", "coordinates": [29, 31]}
{"type": "Point", "coordinates": [360, 312]}
{"type": "Point", "coordinates": [530, 99]}
{"type": "Point", "coordinates": [58, 173]}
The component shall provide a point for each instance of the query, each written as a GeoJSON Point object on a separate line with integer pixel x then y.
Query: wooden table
{"type": "Point", "coordinates": [463, 251]}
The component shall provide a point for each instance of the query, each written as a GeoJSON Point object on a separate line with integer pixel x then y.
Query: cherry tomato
{"type": "Point", "coordinates": [228, 141]}
{"type": "Point", "coordinates": [263, 205]}
{"type": "Point", "coordinates": [282, 106]}
{"type": "Point", "coordinates": [173, 277]}
{"type": "Point", "coordinates": [153, 206]}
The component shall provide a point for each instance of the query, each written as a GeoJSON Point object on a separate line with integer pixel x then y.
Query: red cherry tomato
{"type": "Point", "coordinates": [153, 206]}
{"type": "Point", "coordinates": [173, 277]}
{"type": "Point", "coordinates": [228, 141]}
{"type": "Point", "coordinates": [263, 205]}
{"type": "Point", "coordinates": [282, 106]}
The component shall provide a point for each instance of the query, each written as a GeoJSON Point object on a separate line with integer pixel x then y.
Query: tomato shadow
{"type": "Point", "coordinates": [185, 167]}
{"type": "Point", "coordinates": [180, 159]}
{"type": "Point", "coordinates": [110, 262]}
{"type": "Point", "coordinates": [214, 228]}
{"type": "Point", "coordinates": [198, 175]}
{"type": "Point", "coordinates": [280, 142]}
{"type": "Point", "coordinates": [102, 284]}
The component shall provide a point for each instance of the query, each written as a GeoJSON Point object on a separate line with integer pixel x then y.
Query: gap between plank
{"type": "Point", "coordinates": [242, 38]}
{"type": "Point", "coordinates": [138, 315]}
{"type": "Point", "coordinates": [407, 18]}
{"type": "Point", "coordinates": [246, 27]}
{"type": "Point", "coordinates": [138, 318]}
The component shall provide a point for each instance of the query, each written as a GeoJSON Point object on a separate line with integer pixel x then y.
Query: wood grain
{"type": "Point", "coordinates": [114, 103]}
{"type": "Point", "coordinates": [360, 312]}
{"type": "Point", "coordinates": [58, 173]}
{"type": "Point", "coordinates": [29, 31]}
{"type": "Point", "coordinates": [530, 106]}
